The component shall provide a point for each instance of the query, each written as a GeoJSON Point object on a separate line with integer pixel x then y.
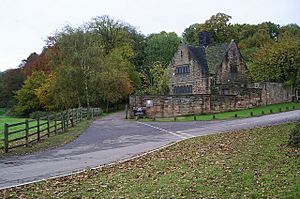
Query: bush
{"type": "Point", "coordinates": [38, 114]}
{"type": "Point", "coordinates": [3, 111]}
{"type": "Point", "coordinates": [295, 136]}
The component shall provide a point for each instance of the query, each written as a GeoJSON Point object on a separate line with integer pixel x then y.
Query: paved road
{"type": "Point", "coordinates": [112, 139]}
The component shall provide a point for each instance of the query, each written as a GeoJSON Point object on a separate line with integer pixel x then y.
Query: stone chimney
{"type": "Point", "coordinates": [204, 38]}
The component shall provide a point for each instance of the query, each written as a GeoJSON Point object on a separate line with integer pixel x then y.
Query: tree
{"type": "Point", "coordinates": [260, 39]}
{"type": "Point", "coordinates": [81, 53]}
{"type": "Point", "coordinates": [219, 27]}
{"type": "Point", "coordinates": [88, 55]}
{"type": "Point", "coordinates": [161, 47]}
{"type": "Point", "coordinates": [189, 34]}
{"type": "Point", "coordinates": [155, 80]}
{"type": "Point", "coordinates": [27, 96]}
{"type": "Point", "coordinates": [113, 83]}
{"type": "Point", "coordinates": [160, 79]}
{"type": "Point", "coordinates": [278, 62]}
{"type": "Point", "coordinates": [10, 81]}
{"type": "Point", "coordinates": [2, 93]}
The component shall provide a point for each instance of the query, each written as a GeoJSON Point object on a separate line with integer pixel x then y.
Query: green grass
{"type": "Point", "coordinates": [53, 141]}
{"type": "Point", "coordinates": [9, 120]}
{"type": "Point", "coordinates": [13, 120]}
{"type": "Point", "coordinates": [33, 124]}
{"type": "Point", "coordinates": [257, 111]}
{"type": "Point", "coordinates": [253, 163]}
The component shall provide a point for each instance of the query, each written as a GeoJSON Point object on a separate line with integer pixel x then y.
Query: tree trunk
{"type": "Point", "coordinates": [87, 93]}
{"type": "Point", "coordinates": [107, 104]}
{"type": "Point", "coordinates": [78, 100]}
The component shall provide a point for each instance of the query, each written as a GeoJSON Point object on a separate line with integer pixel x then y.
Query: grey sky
{"type": "Point", "coordinates": [26, 23]}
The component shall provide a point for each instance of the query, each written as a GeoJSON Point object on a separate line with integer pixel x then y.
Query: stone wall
{"type": "Point", "coordinates": [273, 93]}
{"type": "Point", "coordinates": [176, 105]}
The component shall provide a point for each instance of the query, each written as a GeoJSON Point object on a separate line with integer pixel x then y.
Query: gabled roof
{"type": "Point", "coordinates": [215, 55]}
{"type": "Point", "coordinates": [198, 54]}
{"type": "Point", "coordinates": [210, 57]}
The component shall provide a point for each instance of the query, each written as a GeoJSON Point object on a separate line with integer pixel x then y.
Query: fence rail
{"type": "Point", "coordinates": [33, 130]}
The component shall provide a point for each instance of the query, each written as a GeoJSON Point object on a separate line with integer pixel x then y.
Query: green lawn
{"type": "Point", "coordinates": [51, 142]}
{"type": "Point", "coordinates": [257, 111]}
{"type": "Point", "coordinates": [13, 120]}
{"type": "Point", "coordinates": [253, 163]}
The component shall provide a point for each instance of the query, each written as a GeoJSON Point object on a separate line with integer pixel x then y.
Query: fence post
{"type": "Point", "coordinates": [6, 138]}
{"type": "Point", "coordinates": [26, 132]}
{"type": "Point", "coordinates": [68, 118]}
{"type": "Point", "coordinates": [195, 118]}
{"type": "Point", "coordinates": [62, 122]}
{"type": "Point", "coordinates": [48, 126]}
{"type": "Point", "coordinates": [92, 113]}
{"type": "Point", "coordinates": [55, 124]}
{"type": "Point", "coordinates": [72, 118]}
{"type": "Point", "coordinates": [38, 129]}
{"type": "Point", "coordinates": [76, 110]}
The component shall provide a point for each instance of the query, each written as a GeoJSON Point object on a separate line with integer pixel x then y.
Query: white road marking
{"type": "Point", "coordinates": [183, 136]}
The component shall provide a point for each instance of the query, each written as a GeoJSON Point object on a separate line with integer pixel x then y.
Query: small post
{"type": "Point", "coordinates": [195, 118]}
{"type": "Point", "coordinates": [26, 132]}
{"type": "Point", "coordinates": [214, 116]}
{"type": "Point", "coordinates": [48, 126]}
{"type": "Point", "coordinates": [38, 129]}
{"type": "Point", "coordinates": [126, 111]}
{"type": "Point", "coordinates": [271, 111]}
{"type": "Point", "coordinates": [235, 115]}
{"type": "Point", "coordinates": [251, 114]}
{"type": "Point", "coordinates": [92, 113]}
{"type": "Point", "coordinates": [6, 138]}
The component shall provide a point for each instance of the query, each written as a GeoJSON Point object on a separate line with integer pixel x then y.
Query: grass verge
{"type": "Point", "coordinates": [51, 142]}
{"type": "Point", "coordinates": [245, 113]}
{"type": "Point", "coordinates": [253, 163]}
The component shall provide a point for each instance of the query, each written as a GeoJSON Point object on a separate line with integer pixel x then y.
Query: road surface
{"type": "Point", "coordinates": [112, 139]}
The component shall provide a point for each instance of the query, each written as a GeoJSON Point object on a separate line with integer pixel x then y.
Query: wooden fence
{"type": "Point", "coordinates": [33, 130]}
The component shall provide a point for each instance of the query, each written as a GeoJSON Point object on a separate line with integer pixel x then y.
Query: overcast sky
{"type": "Point", "coordinates": [26, 23]}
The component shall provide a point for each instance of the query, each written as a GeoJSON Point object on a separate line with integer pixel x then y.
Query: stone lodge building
{"type": "Point", "coordinates": [209, 79]}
